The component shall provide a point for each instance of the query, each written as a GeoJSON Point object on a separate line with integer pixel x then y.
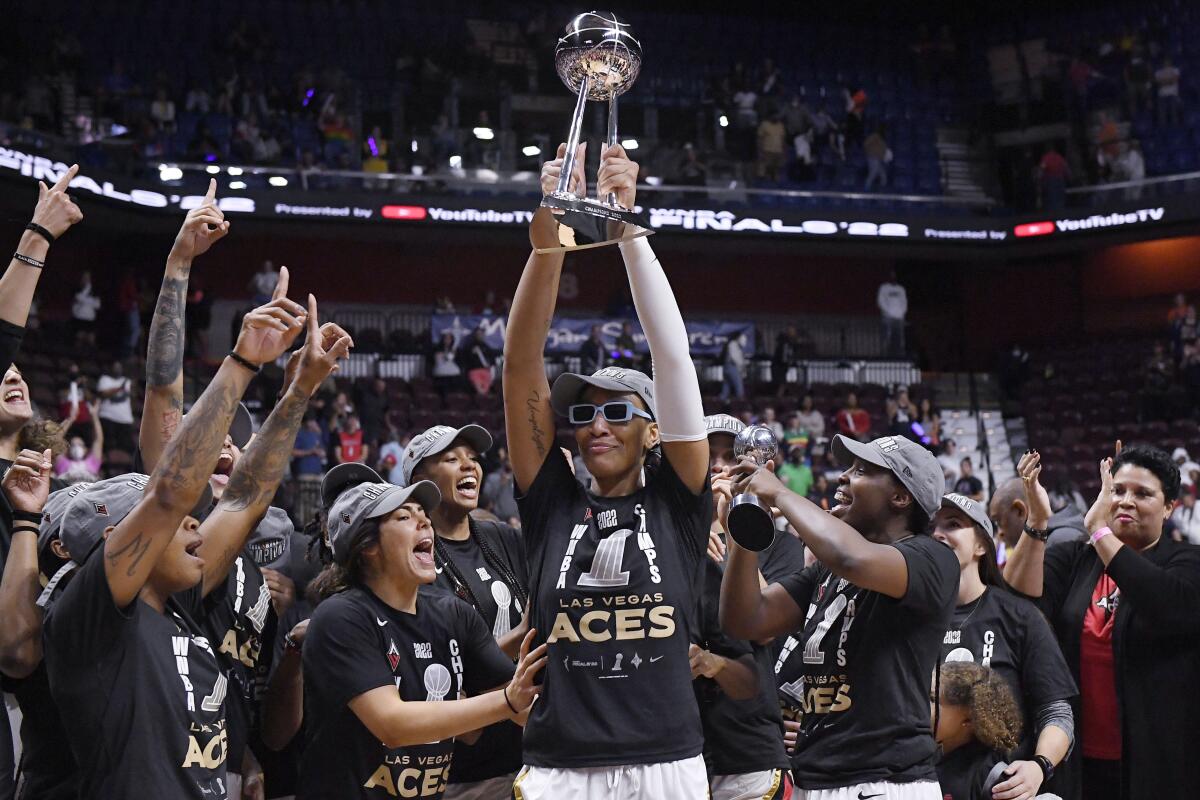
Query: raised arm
{"type": "Point", "coordinates": [132, 549]}
{"type": "Point", "coordinates": [877, 567]}
{"type": "Point", "coordinates": [528, 418]}
{"type": "Point", "coordinates": [676, 386]}
{"type": "Point", "coordinates": [55, 212]}
{"type": "Point", "coordinates": [97, 432]}
{"type": "Point", "coordinates": [26, 485]}
{"type": "Point", "coordinates": [1024, 567]}
{"type": "Point", "coordinates": [261, 467]}
{"type": "Point", "coordinates": [163, 407]}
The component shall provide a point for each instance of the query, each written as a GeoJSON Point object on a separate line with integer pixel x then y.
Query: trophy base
{"type": "Point", "coordinates": [751, 523]}
{"type": "Point", "coordinates": [587, 223]}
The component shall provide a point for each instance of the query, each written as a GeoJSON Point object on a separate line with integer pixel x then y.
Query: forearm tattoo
{"type": "Point", "coordinates": [261, 467]}
{"type": "Point", "coordinates": [192, 453]}
{"type": "Point", "coordinates": [164, 357]}
{"type": "Point", "coordinates": [537, 435]}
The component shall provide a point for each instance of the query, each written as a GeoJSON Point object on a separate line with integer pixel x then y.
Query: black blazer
{"type": "Point", "coordinates": [1156, 640]}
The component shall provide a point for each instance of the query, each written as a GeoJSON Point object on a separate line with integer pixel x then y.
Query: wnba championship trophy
{"type": "Point", "coordinates": [751, 523]}
{"type": "Point", "coordinates": [598, 59]}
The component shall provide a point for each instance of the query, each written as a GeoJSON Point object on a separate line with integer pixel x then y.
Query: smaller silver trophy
{"type": "Point", "coordinates": [598, 59]}
{"type": "Point", "coordinates": [751, 523]}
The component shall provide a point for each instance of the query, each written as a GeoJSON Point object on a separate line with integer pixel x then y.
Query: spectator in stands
{"type": "Point", "coordinates": [768, 419]}
{"type": "Point", "coordinates": [878, 155]}
{"type": "Point", "coordinates": [856, 109]}
{"type": "Point", "coordinates": [826, 133]}
{"type": "Point", "coordinates": [498, 493]}
{"type": "Point", "coordinates": [115, 391]}
{"type": "Point", "coordinates": [902, 413]}
{"type": "Point", "coordinates": [83, 312]}
{"type": "Point", "coordinates": [129, 297]}
{"type": "Point", "coordinates": [795, 473]}
{"type": "Point", "coordinates": [692, 171]}
{"type": "Point", "coordinates": [447, 376]}
{"type": "Point", "coordinates": [478, 360]}
{"type": "Point", "coordinates": [745, 118]}
{"type": "Point", "coordinates": [771, 137]}
{"type": "Point", "coordinates": [931, 424]}
{"type": "Point", "coordinates": [1166, 78]}
{"type": "Point", "coordinates": [1187, 519]}
{"type": "Point", "coordinates": [162, 111]}
{"type": "Point", "coordinates": [795, 436]}
{"type": "Point", "coordinates": [733, 365]}
{"type": "Point", "coordinates": [892, 301]}
{"type": "Point", "coordinates": [967, 484]}
{"type": "Point", "coordinates": [822, 491]}
{"type": "Point", "coordinates": [949, 461]}
{"type": "Point", "coordinates": [853, 421]}
{"type": "Point", "coordinates": [351, 447]}
{"type": "Point", "coordinates": [810, 418]}
{"type": "Point", "coordinates": [1138, 81]}
{"type": "Point", "coordinates": [1131, 166]}
{"type": "Point", "coordinates": [796, 117]}
{"type": "Point", "coordinates": [593, 353]}
{"type": "Point", "coordinates": [1185, 464]}
{"type": "Point", "coordinates": [263, 282]}
{"type": "Point", "coordinates": [1053, 174]}
{"type": "Point", "coordinates": [197, 100]}
{"type": "Point", "coordinates": [391, 454]}
{"type": "Point", "coordinates": [373, 409]}
{"type": "Point", "coordinates": [80, 463]}
{"type": "Point", "coordinates": [786, 355]}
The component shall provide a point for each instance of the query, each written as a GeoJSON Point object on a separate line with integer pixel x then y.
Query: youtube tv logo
{"type": "Point", "coordinates": [1034, 229]}
{"type": "Point", "coordinates": [412, 213]}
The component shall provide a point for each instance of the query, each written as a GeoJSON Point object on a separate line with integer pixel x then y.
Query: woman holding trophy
{"type": "Point", "coordinates": [614, 570]}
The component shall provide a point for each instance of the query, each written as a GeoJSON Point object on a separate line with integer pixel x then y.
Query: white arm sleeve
{"type": "Point", "coordinates": [676, 387]}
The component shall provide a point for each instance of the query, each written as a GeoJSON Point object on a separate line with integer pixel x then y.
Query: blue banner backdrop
{"type": "Point", "coordinates": [567, 336]}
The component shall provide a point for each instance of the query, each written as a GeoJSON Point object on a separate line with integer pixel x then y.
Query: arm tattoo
{"type": "Point", "coordinates": [536, 433]}
{"type": "Point", "coordinates": [135, 549]}
{"type": "Point", "coordinates": [261, 467]}
{"type": "Point", "coordinates": [164, 357]}
{"type": "Point", "coordinates": [192, 453]}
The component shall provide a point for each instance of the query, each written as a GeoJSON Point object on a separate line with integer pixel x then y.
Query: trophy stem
{"type": "Point", "coordinates": [612, 139]}
{"type": "Point", "coordinates": [564, 180]}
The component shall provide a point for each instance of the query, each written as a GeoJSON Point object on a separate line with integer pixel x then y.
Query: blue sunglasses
{"type": "Point", "coordinates": [619, 411]}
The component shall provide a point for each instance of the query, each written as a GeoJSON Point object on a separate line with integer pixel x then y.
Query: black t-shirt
{"type": "Point", "coordinates": [356, 643]}
{"type": "Point", "coordinates": [968, 485]}
{"type": "Point", "coordinates": [48, 770]}
{"type": "Point", "coordinates": [140, 692]}
{"type": "Point", "coordinates": [239, 618]}
{"type": "Point", "coordinates": [1009, 634]}
{"type": "Point", "coordinates": [615, 583]}
{"type": "Point", "coordinates": [740, 736]}
{"type": "Point", "coordinates": [864, 670]}
{"type": "Point", "coordinates": [498, 750]}
{"type": "Point", "coordinates": [963, 775]}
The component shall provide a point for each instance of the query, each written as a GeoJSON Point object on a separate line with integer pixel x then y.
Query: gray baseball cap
{"type": "Point", "coordinates": [353, 496]}
{"type": "Point", "coordinates": [104, 504]}
{"type": "Point", "coordinates": [438, 439]}
{"type": "Point", "coordinates": [975, 511]}
{"type": "Point", "coordinates": [723, 423]}
{"type": "Point", "coordinates": [270, 544]}
{"type": "Point", "coordinates": [54, 510]}
{"type": "Point", "coordinates": [569, 386]}
{"type": "Point", "coordinates": [913, 465]}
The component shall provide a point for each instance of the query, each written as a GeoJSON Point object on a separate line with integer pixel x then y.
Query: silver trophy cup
{"type": "Point", "coordinates": [751, 523]}
{"type": "Point", "coordinates": [598, 59]}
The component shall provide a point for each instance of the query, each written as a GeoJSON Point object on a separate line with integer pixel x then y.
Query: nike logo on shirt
{"type": "Point", "coordinates": [862, 796]}
{"type": "Point", "coordinates": [380, 622]}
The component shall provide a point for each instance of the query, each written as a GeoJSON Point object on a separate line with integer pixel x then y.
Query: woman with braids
{"type": "Point", "coordinates": [615, 572]}
{"type": "Point", "coordinates": [1125, 605]}
{"type": "Point", "coordinates": [393, 672]}
{"type": "Point", "coordinates": [994, 627]}
{"type": "Point", "coordinates": [976, 722]}
{"type": "Point", "coordinates": [482, 563]}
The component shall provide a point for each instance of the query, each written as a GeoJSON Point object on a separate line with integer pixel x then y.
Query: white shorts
{"type": "Point", "coordinates": [917, 790]}
{"type": "Point", "coordinates": [498, 788]}
{"type": "Point", "coordinates": [667, 780]}
{"type": "Point", "coordinates": [771, 784]}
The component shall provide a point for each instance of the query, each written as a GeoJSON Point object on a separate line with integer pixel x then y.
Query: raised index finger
{"type": "Point", "coordinates": [314, 328]}
{"type": "Point", "coordinates": [211, 195]}
{"type": "Point", "coordinates": [62, 183]}
{"type": "Point", "coordinates": [281, 284]}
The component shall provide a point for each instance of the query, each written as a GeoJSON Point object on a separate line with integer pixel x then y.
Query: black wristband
{"type": "Point", "coordinates": [509, 702]}
{"type": "Point", "coordinates": [289, 643]}
{"type": "Point", "coordinates": [40, 231]}
{"type": "Point", "coordinates": [25, 527]}
{"type": "Point", "coordinates": [1046, 766]}
{"type": "Point", "coordinates": [250, 365]}
{"type": "Point", "coordinates": [27, 516]}
{"type": "Point", "coordinates": [33, 262]}
{"type": "Point", "coordinates": [1040, 535]}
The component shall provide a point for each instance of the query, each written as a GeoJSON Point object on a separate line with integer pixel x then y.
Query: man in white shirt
{"type": "Point", "coordinates": [1187, 518]}
{"type": "Point", "coordinates": [83, 312]}
{"type": "Point", "coordinates": [116, 408]}
{"type": "Point", "coordinates": [949, 461]}
{"type": "Point", "coordinates": [893, 307]}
